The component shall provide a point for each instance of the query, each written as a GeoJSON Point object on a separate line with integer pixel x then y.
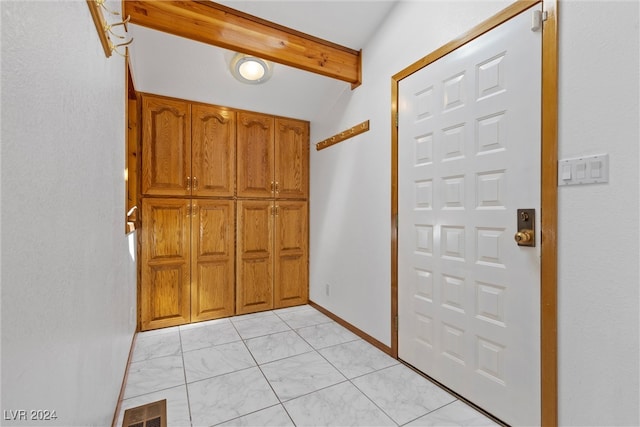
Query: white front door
{"type": "Point", "coordinates": [469, 135]}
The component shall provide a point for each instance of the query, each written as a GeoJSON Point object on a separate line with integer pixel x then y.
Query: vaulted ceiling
{"type": "Point", "coordinates": [182, 49]}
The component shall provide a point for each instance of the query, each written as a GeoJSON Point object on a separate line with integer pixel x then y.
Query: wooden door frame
{"type": "Point", "coordinates": [549, 190]}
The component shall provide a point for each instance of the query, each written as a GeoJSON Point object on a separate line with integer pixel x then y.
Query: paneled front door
{"type": "Point", "coordinates": [469, 141]}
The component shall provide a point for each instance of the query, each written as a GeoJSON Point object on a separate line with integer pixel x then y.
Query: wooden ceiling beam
{"type": "Point", "coordinates": [221, 26]}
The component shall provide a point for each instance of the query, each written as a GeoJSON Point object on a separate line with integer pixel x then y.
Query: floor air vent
{"type": "Point", "coordinates": [149, 415]}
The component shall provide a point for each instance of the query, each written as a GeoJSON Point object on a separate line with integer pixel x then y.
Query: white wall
{"type": "Point", "coordinates": [598, 224]}
{"type": "Point", "coordinates": [68, 279]}
{"type": "Point", "coordinates": [350, 240]}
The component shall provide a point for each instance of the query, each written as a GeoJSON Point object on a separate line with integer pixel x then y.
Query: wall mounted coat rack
{"type": "Point", "coordinates": [105, 29]}
{"type": "Point", "coordinates": [342, 136]}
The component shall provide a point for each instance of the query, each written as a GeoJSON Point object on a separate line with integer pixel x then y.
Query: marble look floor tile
{"type": "Point", "coordinates": [326, 334]}
{"type": "Point", "coordinates": [211, 361]}
{"type": "Point", "coordinates": [302, 374]}
{"type": "Point", "coordinates": [208, 335]}
{"type": "Point", "coordinates": [301, 318]}
{"type": "Point", "coordinates": [277, 346]}
{"type": "Point", "coordinates": [279, 311]}
{"type": "Point", "coordinates": [160, 343]}
{"type": "Point", "coordinates": [153, 375]}
{"type": "Point", "coordinates": [259, 326]}
{"type": "Point", "coordinates": [357, 358]}
{"type": "Point", "coordinates": [455, 414]}
{"type": "Point", "coordinates": [242, 317]}
{"type": "Point", "coordinates": [274, 416]}
{"type": "Point", "coordinates": [338, 405]}
{"type": "Point", "coordinates": [229, 396]}
{"type": "Point", "coordinates": [177, 405]}
{"type": "Point", "coordinates": [401, 393]}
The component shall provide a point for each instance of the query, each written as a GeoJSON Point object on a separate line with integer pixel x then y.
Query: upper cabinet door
{"type": "Point", "coordinates": [292, 159]}
{"type": "Point", "coordinates": [213, 167]}
{"type": "Point", "coordinates": [255, 155]}
{"type": "Point", "coordinates": [166, 147]}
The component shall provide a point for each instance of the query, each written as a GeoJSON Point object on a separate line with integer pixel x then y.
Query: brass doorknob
{"type": "Point", "coordinates": [523, 236]}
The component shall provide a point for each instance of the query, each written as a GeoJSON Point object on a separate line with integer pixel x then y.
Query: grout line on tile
{"type": "Point", "coordinates": [184, 372]}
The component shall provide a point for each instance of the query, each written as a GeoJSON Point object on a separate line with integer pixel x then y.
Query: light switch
{"type": "Point", "coordinates": [596, 166]}
{"type": "Point", "coordinates": [584, 170]}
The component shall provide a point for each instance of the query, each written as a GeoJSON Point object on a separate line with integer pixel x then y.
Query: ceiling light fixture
{"type": "Point", "coordinates": [249, 69]}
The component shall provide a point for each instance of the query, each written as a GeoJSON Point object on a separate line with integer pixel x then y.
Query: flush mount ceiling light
{"type": "Point", "coordinates": [249, 69]}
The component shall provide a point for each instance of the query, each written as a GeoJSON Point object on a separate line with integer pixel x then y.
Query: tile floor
{"type": "Point", "coordinates": [287, 367]}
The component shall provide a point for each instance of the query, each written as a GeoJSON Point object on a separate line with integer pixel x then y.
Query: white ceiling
{"type": "Point", "coordinates": [173, 66]}
{"type": "Point", "coordinates": [348, 23]}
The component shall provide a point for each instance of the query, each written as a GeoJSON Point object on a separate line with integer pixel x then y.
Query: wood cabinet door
{"type": "Point", "coordinates": [254, 252]}
{"type": "Point", "coordinates": [166, 147]}
{"type": "Point", "coordinates": [291, 159]}
{"type": "Point", "coordinates": [213, 146]}
{"type": "Point", "coordinates": [165, 287]}
{"type": "Point", "coordinates": [291, 281]}
{"type": "Point", "coordinates": [255, 155]}
{"type": "Point", "coordinates": [212, 259]}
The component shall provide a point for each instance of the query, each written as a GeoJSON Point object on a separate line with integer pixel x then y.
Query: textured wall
{"type": "Point", "coordinates": [598, 224]}
{"type": "Point", "coordinates": [68, 279]}
{"type": "Point", "coordinates": [350, 244]}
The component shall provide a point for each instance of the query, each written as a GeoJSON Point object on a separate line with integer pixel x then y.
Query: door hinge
{"type": "Point", "coordinates": [396, 119]}
{"type": "Point", "coordinates": [537, 19]}
{"type": "Point", "coordinates": [396, 322]}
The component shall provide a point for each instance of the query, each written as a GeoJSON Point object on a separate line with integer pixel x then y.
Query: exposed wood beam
{"type": "Point", "coordinates": [221, 26]}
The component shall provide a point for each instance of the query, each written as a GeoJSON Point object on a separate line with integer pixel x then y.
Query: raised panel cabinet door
{"type": "Point", "coordinates": [213, 147]}
{"type": "Point", "coordinates": [291, 159]}
{"type": "Point", "coordinates": [165, 247]}
{"type": "Point", "coordinates": [212, 259]}
{"type": "Point", "coordinates": [291, 282]}
{"type": "Point", "coordinates": [166, 147]}
{"type": "Point", "coordinates": [254, 278]}
{"type": "Point", "coordinates": [255, 176]}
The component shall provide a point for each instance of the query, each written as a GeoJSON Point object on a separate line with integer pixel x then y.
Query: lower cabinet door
{"type": "Point", "coordinates": [165, 263]}
{"type": "Point", "coordinates": [291, 280]}
{"type": "Point", "coordinates": [254, 254]}
{"type": "Point", "coordinates": [212, 259]}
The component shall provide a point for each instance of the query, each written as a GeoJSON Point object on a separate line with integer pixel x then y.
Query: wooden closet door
{"type": "Point", "coordinates": [165, 287]}
{"type": "Point", "coordinates": [255, 155]}
{"type": "Point", "coordinates": [254, 252]}
{"type": "Point", "coordinates": [213, 145]}
{"type": "Point", "coordinates": [212, 259]}
{"type": "Point", "coordinates": [291, 159]}
{"type": "Point", "coordinates": [166, 147]}
{"type": "Point", "coordinates": [291, 282]}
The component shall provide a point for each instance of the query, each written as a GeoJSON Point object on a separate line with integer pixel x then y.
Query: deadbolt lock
{"type": "Point", "coordinates": [526, 235]}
